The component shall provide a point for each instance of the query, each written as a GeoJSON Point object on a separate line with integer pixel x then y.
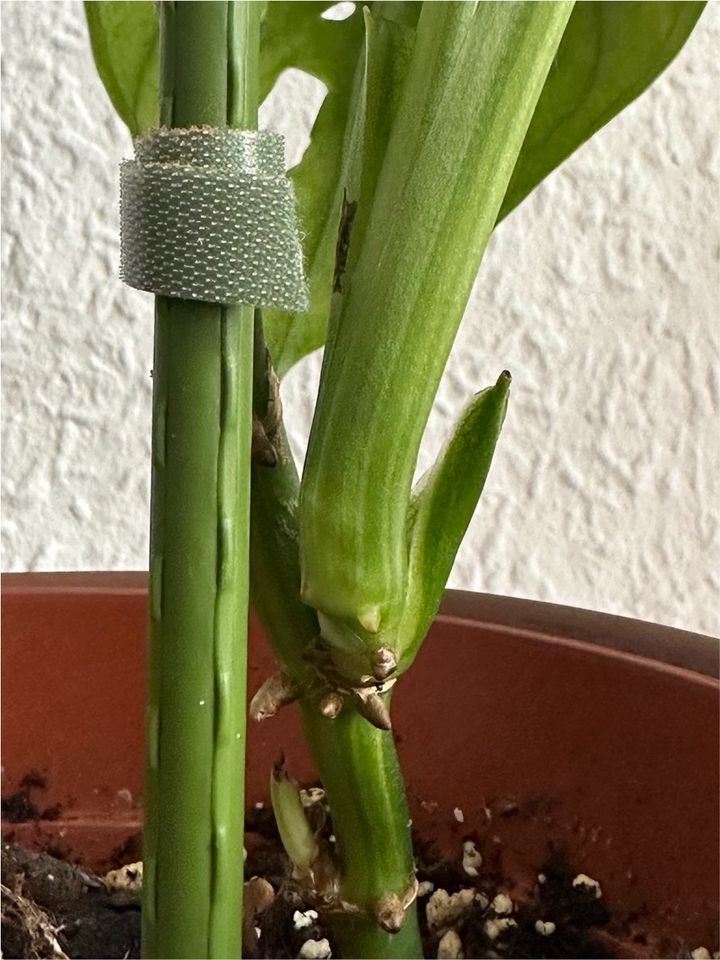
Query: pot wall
{"type": "Point", "coordinates": [543, 725]}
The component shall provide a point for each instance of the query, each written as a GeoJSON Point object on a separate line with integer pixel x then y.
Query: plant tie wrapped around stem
{"type": "Point", "coordinates": [207, 213]}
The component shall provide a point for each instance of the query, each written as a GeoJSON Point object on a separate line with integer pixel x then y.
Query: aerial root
{"type": "Point", "coordinates": [277, 691]}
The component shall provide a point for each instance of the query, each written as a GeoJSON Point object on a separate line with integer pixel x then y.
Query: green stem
{"type": "Point", "coordinates": [274, 565]}
{"type": "Point", "coordinates": [465, 109]}
{"type": "Point", "coordinates": [356, 762]}
{"type": "Point", "coordinates": [194, 797]}
{"type": "Point", "coordinates": [359, 770]}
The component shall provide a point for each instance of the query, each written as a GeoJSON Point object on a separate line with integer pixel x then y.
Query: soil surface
{"type": "Point", "coordinates": [56, 909]}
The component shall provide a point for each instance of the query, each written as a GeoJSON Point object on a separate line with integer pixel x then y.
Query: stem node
{"type": "Point", "coordinates": [384, 663]}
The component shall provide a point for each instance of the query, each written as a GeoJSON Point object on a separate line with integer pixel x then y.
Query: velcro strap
{"type": "Point", "coordinates": [208, 214]}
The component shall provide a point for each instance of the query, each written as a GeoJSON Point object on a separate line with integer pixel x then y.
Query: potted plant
{"type": "Point", "coordinates": [440, 119]}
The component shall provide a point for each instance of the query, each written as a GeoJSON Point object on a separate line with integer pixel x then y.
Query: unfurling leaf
{"type": "Point", "coordinates": [295, 832]}
{"type": "Point", "coordinates": [445, 500]}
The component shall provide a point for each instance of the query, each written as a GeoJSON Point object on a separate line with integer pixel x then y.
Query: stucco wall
{"type": "Point", "coordinates": [599, 294]}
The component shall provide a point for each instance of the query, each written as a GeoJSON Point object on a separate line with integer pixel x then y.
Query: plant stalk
{"type": "Point", "coordinates": [194, 795]}
{"type": "Point", "coordinates": [475, 75]}
{"type": "Point", "coordinates": [465, 109]}
{"type": "Point", "coordinates": [274, 563]}
{"type": "Point", "coordinates": [359, 771]}
{"type": "Point", "coordinates": [357, 763]}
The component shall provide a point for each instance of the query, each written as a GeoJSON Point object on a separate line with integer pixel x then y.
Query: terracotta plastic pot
{"type": "Point", "coordinates": [544, 725]}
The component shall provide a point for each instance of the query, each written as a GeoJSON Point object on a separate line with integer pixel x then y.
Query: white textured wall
{"type": "Point", "coordinates": [599, 294]}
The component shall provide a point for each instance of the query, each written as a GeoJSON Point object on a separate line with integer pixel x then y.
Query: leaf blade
{"type": "Point", "coordinates": [610, 53]}
{"type": "Point", "coordinates": [124, 42]}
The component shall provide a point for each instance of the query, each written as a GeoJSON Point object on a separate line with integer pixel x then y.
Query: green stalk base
{"type": "Point", "coordinates": [358, 937]}
{"type": "Point", "coordinates": [358, 767]}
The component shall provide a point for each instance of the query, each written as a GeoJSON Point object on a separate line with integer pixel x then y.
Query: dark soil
{"type": "Point", "coordinates": [55, 909]}
{"type": "Point", "coordinates": [21, 806]}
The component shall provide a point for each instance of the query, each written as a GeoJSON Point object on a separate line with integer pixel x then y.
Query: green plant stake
{"type": "Point", "coordinates": [206, 219]}
{"type": "Point", "coordinates": [194, 796]}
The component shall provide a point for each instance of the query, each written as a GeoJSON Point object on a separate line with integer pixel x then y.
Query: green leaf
{"type": "Point", "coordinates": [295, 35]}
{"type": "Point", "coordinates": [342, 166]}
{"type": "Point", "coordinates": [443, 505]}
{"type": "Point", "coordinates": [609, 54]}
{"type": "Point", "coordinates": [124, 41]}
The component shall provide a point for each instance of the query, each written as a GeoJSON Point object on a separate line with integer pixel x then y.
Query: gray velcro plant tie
{"type": "Point", "coordinates": [208, 214]}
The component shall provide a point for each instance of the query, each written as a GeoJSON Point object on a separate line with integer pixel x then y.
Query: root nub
{"type": "Point", "coordinates": [276, 692]}
{"type": "Point", "coordinates": [389, 912]}
{"type": "Point", "coordinates": [384, 663]}
{"type": "Point", "coordinates": [331, 705]}
{"type": "Point", "coordinates": [372, 706]}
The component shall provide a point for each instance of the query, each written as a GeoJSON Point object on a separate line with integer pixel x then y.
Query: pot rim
{"type": "Point", "coordinates": [668, 648]}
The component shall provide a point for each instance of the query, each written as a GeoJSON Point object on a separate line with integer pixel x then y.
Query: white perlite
{"type": "Point", "coordinates": [444, 909]}
{"type": "Point", "coordinates": [128, 878]}
{"type": "Point", "coordinates": [315, 950]}
{"type": "Point", "coordinates": [583, 880]}
{"type": "Point", "coordinates": [424, 888]}
{"type": "Point", "coordinates": [545, 927]}
{"type": "Point", "coordinates": [495, 928]}
{"type": "Point", "coordinates": [459, 815]}
{"type": "Point", "coordinates": [312, 796]}
{"type": "Point", "coordinates": [305, 918]}
{"type": "Point", "coordinates": [701, 953]}
{"type": "Point", "coordinates": [450, 946]}
{"type": "Point", "coordinates": [502, 904]}
{"type": "Point", "coordinates": [472, 859]}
